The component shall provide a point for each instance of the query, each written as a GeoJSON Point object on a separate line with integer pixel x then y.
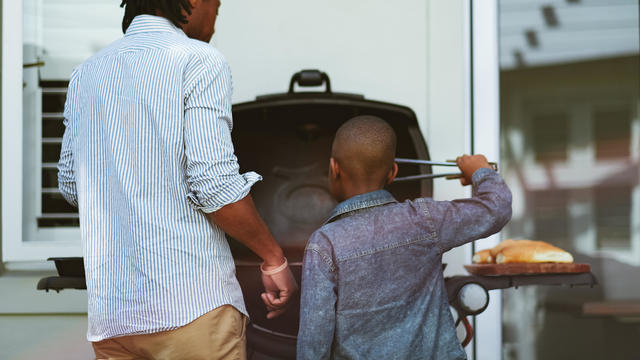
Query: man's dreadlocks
{"type": "Point", "coordinates": [171, 9]}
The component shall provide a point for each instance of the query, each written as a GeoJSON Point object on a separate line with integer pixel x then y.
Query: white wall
{"type": "Point", "coordinates": [40, 325]}
{"type": "Point", "coordinates": [411, 52]}
{"type": "Point", "coordinates": [448, 128]}
{"type": "Point", "coordinates": [372, 47]}
{"type": "Point", "coordinates": [51, 337]}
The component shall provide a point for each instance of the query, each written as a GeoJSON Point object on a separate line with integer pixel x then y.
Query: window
{"type": "Point", "coordinates": [613, 217]}
{"type": "Point", "coordinates": [612, 129]}
{"type": "Point", "coordinates": [570, 128]}
{"type": "Point", "coordinates": [550, 135]}
{"type": "Point", "coordinates": [550, 215]}
{"type": "Point", "coordinates": [53, 37]}
{"type": "Point", "coordinates": [55, 211]}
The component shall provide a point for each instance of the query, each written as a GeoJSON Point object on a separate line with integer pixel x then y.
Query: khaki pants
{"type": "Point", "coordinates": [218, 334]}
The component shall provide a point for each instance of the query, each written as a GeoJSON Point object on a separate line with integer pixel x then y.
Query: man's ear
{"type": "Point", "coordinates": [392, 173]}
{"type": "Point", "coordinates": [334, 169]}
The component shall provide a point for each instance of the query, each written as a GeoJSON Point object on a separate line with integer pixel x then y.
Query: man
{"type": "Point", "coordinates": [147, 157]}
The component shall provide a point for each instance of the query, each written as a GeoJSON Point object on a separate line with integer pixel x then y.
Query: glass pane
{"type": "Point", "coordinates": [570, 136]}
{"type": "Point", "coordinates": [53, 101]}
{"type": "Point", "coordinates": [54, 203]}
{"type": "Point", "coordinates": [51, 152]}
{"type": "Point", "coordinates": [612, 133]}
{"type": "Point", "coordinates": [52, 127]}
{"type": "Point", "coordinates": [50, 178]}
{"type": "Point", "coordinates": [550, 137]}
{"type": "Point", "coordinates": [613, 223]}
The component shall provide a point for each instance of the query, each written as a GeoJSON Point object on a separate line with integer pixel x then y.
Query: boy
{"type": "Point", "coordinates": [372, 283]}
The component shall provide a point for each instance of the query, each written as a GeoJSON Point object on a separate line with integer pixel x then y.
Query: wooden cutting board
{"type": "Point", "coordinates": [526, 268]}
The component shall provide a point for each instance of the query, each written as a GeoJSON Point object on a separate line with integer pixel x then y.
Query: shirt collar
{"type": "Point", "coordinates": [362, 201]}
{"type": "Point", "coordinates": [151, 23]}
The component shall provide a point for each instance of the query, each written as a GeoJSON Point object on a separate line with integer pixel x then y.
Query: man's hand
{"type": "Point", "coordinates": [242, 221]}
{"type": "Point", "coordinates": [279, 286]}
{"type": "Point", "coordinates": [468, 164]}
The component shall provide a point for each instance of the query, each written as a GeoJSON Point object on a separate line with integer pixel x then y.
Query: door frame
{"type": "Point", "coordinates": [485, 124]}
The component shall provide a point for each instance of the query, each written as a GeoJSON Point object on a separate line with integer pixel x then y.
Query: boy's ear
{"type": "Point", "coordinates": [392, 173]}
{"type": "Point", "coordinates": [334, 168]}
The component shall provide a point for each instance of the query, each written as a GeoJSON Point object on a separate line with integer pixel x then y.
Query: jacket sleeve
{"type": "Point", "coordinates": [317, 303]}
{"type": "Point", "coordinates": [66, 171]}
{"type": "Point", "coordinates": [212, 170]}
{"type": "Point", "coordinates": [460, 221]}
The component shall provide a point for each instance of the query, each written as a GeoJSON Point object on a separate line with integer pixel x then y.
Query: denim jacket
{"type": "Point", "coordinates": [372, 283]}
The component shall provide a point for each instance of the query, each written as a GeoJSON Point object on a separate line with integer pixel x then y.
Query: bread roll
{"type": "Point", "coordinates": [533, 252]}
{"type": "Point", "coordinates": [508, 243]}
{"type": "Point", "coordinates": [483, 257]}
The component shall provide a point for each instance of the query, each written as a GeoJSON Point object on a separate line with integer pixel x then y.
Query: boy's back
{"type": "Point", "coordinates": [372, 284]}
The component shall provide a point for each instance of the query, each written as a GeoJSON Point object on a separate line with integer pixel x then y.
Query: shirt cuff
{"type": "Point", "coordinates": [479, 177]}
{"type": "Point", "coordinates": [481, 174]}
{"type": "Point", "coordinates": [232, 192]}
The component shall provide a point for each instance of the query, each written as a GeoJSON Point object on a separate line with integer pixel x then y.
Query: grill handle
{"type": "Point", "coordinates": [307, 78]}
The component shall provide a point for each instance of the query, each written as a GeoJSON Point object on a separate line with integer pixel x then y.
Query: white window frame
{"type": "Point", "coordinates": [486, 138]}
{"type": "Point", "coordinates": [21, 241]}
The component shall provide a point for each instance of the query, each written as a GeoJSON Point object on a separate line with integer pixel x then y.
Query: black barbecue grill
{"type": "Point", "coordinates": [287, 139]}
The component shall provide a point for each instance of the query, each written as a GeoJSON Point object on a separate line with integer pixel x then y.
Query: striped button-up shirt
{"type": "Point", "coordinates": [146, 153]}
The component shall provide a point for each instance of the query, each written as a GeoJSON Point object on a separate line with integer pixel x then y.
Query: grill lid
{"type": "Point", "coordinates": [287, 139]}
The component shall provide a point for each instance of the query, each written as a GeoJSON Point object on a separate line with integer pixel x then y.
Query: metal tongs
{"type": "Point", "coordinates": [448, 176]}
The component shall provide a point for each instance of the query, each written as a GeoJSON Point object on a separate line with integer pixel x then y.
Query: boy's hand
{"type": "Point", "coordinates": [280, 286]}
{"type": "Point", "coordinates": [468, 164]}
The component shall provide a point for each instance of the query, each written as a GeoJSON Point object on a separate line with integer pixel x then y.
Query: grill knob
{"type": "Point", "coordinates": [473, 298]}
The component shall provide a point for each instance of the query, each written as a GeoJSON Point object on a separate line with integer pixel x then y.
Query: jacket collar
{"type": "Point", "coordinates": [151, 23]}
{"type": "Point", "coordinates": [362, 201]}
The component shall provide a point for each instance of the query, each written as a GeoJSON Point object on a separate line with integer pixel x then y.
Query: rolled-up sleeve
{"type": "Point", "coordinates": [212, 172]}
{"type": "Point", "coordinates": [66, 172]}
{"type": "Point", "coordinates": [460, 221]}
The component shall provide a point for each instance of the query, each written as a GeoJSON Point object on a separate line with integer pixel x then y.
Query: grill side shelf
{"type": "Point", "coordinates": [454, 283]}
{"type": "Point", "coordinates": [58, 283]}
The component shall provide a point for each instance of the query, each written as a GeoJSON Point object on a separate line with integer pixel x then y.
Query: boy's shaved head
{"type": "Point", "coordinates": [365, 148]}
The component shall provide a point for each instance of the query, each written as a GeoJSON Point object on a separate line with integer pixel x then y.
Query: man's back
{"type": "Point", "coordinates": [372, 277]}
{"type": "Point", "coordinates": [146, 151]}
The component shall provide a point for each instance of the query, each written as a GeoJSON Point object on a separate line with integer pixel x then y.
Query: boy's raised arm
{"type": "Point", "coordinates": [464, 220]}
{"type": "Point", "coordinates": [317, 303]}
